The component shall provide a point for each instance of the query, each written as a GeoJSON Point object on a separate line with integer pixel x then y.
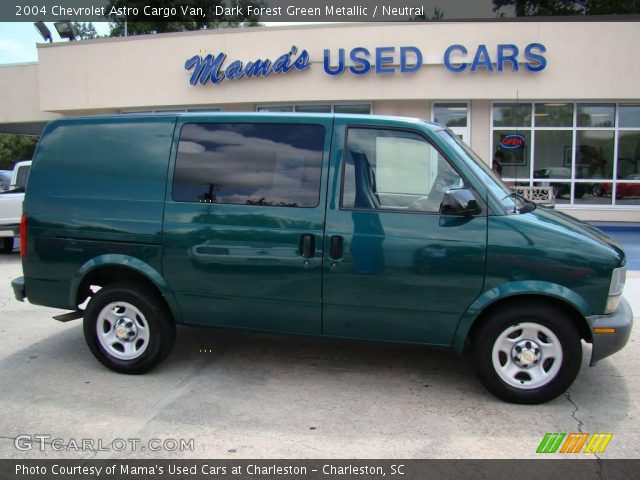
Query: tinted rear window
{"type": "Point", "coordinates": [249, 164]}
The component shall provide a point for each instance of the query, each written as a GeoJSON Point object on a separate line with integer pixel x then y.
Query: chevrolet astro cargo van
{"type": "Point", "coordinates": [360, 227]}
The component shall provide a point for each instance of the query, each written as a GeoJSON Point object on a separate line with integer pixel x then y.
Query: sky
{"type": "Point", "coordinates": [18, 40]}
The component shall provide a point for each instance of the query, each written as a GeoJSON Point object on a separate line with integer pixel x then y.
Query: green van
{"type": "Point", "coordinates": [360, 227]}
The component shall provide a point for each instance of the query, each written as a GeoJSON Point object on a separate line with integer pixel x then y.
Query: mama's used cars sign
{"type": "Point", "coordinates": [214, 68]}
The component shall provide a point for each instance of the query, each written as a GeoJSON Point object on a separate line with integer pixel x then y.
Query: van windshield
{"type": "Point", "coordinates": [499, 190]}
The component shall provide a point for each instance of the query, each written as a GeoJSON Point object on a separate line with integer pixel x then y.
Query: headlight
{"type": "Point", "coordinates": [618, 277]}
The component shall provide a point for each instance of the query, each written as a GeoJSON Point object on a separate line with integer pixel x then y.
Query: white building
{"type": "Point", "coordinates": [570, 89]}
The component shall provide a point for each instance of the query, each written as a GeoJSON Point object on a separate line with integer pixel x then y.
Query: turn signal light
{"type": "Point", "coordinates": [604, 330]}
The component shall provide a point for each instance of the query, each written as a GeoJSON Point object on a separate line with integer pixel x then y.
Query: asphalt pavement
{"type": "Point", "coordinates": [244, 395]}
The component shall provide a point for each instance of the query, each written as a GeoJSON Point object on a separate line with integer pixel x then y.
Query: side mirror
{"type": "Point", "coordinates": [460, 201]}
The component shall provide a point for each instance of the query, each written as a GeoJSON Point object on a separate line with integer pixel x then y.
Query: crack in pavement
{"type": "Point", "coordinates": [599, 461]}
{"type": "Point", "coordinates": [576, 409]}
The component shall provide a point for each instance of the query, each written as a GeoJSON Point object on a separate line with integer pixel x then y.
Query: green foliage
{"type": "Point", "coordinates": [179, 22]}
{"type": "Point", "coordinates": [86, 31]}
{"type": "Point", "coordinates": [532, 8]}
{"type": "Point", "coordinates": [14, 148]}
{"type": "Point", "coordinates": [438, 14]}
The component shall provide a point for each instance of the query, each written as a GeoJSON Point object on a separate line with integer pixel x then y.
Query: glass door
{"type": "Point", "coordinates": [454, 116]}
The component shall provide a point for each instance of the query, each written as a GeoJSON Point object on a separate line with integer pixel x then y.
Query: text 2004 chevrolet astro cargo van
{"type": "Point", "coordinates": [363, 227]}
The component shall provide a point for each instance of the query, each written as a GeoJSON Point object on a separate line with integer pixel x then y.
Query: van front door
{"type": "Point", "coordinates": [395, 268]}
{"type": "Point", "coordinates": [244, 220]}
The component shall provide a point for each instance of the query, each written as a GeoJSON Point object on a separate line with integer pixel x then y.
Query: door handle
{"type": "Point", "coordinates": [307, 246]}
{"type": "Point", "coordinates": [336, 247]}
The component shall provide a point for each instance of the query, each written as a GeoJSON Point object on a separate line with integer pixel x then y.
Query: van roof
{"type": "Point", "coordinates": [249, 115]}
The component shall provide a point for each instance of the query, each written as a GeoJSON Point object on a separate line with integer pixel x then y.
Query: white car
{"type": "Point", "coordinates": [11, 205]}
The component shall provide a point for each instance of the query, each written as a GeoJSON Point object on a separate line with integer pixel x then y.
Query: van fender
{"type": "Point", "coordinates": [135, 264]}
{"type": "Point", "coordinates": [506, 290]}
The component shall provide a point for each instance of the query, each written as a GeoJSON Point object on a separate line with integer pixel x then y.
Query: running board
{"type": "Point", "coordinates": [67, 317]}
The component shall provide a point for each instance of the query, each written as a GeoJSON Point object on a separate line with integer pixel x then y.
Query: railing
{"type": "Point", "coordinates": [544, 195]}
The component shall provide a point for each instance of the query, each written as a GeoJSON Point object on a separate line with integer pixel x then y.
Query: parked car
{"type": "Point", "coordinates": [623, 190]}
{"type": "Point", "coordinates": [5, 180]}
{"type": "Point", "coordinates": [11, 205]}
{"type": "Point", "coordinates": [363, 227]}
{"type": "Point", "coordinates": [561, 189]}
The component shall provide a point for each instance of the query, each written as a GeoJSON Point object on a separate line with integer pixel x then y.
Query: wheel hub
{"type": "Point", "coordinates": [526, 353]}
{"type": "Point", "coordinates": [125, 329]}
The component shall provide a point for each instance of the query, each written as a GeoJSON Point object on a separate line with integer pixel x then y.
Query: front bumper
{"type": "Point", "coordinates": [605, 344]}
{"type": "Point", "coordinates": [19, 290]}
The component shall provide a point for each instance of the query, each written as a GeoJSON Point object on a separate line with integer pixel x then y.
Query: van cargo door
{"type": "Point", "coordinates": [244, 221]}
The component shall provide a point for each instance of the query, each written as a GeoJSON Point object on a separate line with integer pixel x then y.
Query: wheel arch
{"type": "Point", "coordinates": [560, 297]}
{"type": "Point", "coordinates": [110, 268]}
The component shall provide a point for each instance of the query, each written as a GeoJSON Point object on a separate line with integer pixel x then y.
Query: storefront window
{"type": "Point", "coordinates": [576, 148]}
{"type": "Point", "coordinates": [313, 108]}
{"type": "Point", "coordinates": [628, 193]}
{"type": "Point", "coordinates": [630, 116]}
{"type": "Point", "coordinates": [515, 159]}
{"type": "Point", "coordinates": [512, 115]}
{"type": "Point", "coordinates": [360, 108]}
{"type": "Point", "coordinates": [629, 155]}
{"type": "Point", "coordinates": [594, 154]}
{"type": "Point", "coordinates": [355, 108]}
{"type": "Point", "coordinates": [553, 151]}
{"type": "Point", "coordinates": [450, 114]}
{"type": "Point", "coordinates": [276, 108]}
{"type": "Point", "coordinates": [553, 115]}
{"type": "Point", "coordinates": [596, 115]}
{"type": "Point", "coordinates": [593, 193]}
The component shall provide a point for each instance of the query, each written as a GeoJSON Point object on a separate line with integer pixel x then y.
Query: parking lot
{"type": "Point", "coordinates": [244, 395]}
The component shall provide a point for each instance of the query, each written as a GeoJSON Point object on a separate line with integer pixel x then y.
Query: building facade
{"type": "Point", "coordinates": [557, 103]}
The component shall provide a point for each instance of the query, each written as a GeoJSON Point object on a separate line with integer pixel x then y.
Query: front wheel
{"type": "Point", "coordinates": [528, 354]}
{"type": "Point", "coordinates": [128, 328]}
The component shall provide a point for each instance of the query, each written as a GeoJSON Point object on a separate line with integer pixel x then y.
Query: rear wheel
{"type": "Point", "coordinates": [128, 328]}
{"type": "Point", "coordinates": [527, 354]}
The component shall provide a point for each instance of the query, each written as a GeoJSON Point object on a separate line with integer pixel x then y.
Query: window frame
{"type": "Point", "coordinates": [464, 131]}
{"type": "Point", "coordinates": [322, 161]}
{"type": "Point", "coordinates": [574, 128]}
{"type": "Point", "coordinates": [299, 104]}
{"type": "Point", "coordinates": [343, 167]}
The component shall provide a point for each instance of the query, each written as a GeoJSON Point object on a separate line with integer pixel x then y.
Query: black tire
{"type": "Point", "coordinates": [560, 375]}
{"type": "Point", "coordinates": [7, 245]}
{"type": "Point", "coordinates": [161, 327]}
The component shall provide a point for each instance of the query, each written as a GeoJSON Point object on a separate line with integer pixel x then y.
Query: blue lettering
{"type": "Point", "coordinates": [339, 70]}
{"type": "Point", "coordinates": [365, 65]}
{"type": "Point", "coordinates": [510, 57]}
{"type": "Point", "coordinates": [205, 68]}
{"type": "Point", "coordinates": [381, 60]}
{"type": "Point", "coordinates": [258, 68]}
{"type": "Point", "coordinates": [481, 59]}
{"type": "Point", "coordinates": [302, 62]}
{"type": "Point", "coordinates": [234, 71]}
{"type": "Point", "coordinates": [404, 67]}
{"type": "Point", "coordinates": [537, 62]}
{"type": "Point", "coordinates": [447, 59]}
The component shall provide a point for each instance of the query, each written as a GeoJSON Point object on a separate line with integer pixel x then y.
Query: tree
{"type": "Point", "coordinates": [86, 31]}
{"type": "Point", "coordinates": [180, 21]}
{"type": "Point", "coordinates": [14, 148]}
{"type": "Point", "coordinates": [533, 8]}
{"type": "Point", "coordinates": [438, 14]}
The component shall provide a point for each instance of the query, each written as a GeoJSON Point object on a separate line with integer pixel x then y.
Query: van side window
{"type": "Point", "coordinates": [394, 170]}
{"type": "Point", "coordinates": [249, 164]}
